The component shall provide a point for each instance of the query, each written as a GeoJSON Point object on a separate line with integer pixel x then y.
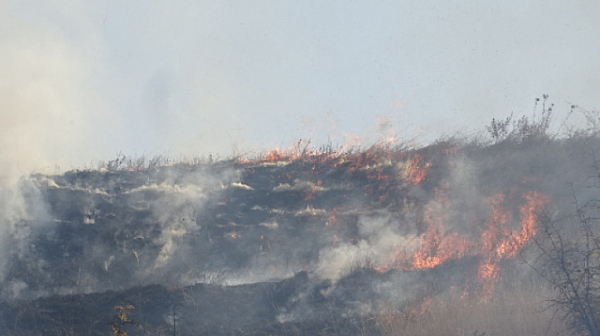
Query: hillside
{"type": "Point", "coordinates": [291, 242]}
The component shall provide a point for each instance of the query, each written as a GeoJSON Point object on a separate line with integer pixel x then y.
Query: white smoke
{"type": "Point", "coordinates": [381, 237]}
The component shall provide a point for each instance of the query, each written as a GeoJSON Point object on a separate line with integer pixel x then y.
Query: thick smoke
{"type": "Point", "coordinates": [43, 87]}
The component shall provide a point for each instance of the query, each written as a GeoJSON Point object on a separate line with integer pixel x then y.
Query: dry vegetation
{"type": "Point", "coordinates": [560, 298]}
{"type": "Point", "coordinates": [517, 312]}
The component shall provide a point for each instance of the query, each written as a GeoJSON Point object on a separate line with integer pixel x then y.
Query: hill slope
{"type": "Point", "coordinates": [351, 232]}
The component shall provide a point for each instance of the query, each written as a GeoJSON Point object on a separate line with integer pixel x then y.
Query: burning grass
{"type": "Point", "coordinates": [434, 235]}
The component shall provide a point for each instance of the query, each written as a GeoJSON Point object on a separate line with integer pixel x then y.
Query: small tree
{"type": "Point", "coordinates": [121, 319]}
{"type": "Point", "coordinates": [568, 257]}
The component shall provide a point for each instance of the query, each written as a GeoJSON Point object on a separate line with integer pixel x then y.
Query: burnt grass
{"type": "Point", "coordinates": [202, 309]}
{"type": "Point", "coordinates": [95, 238]}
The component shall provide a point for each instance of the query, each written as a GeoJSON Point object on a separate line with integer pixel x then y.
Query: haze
{"type": "Point", "coordinates": [82, 81]}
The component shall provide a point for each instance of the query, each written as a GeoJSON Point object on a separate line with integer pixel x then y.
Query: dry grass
{"type": "Point", "coordinates": [518, 312]}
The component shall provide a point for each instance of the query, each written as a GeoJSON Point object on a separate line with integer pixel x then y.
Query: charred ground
{"type": "Point", "coordinates": [298, 242]}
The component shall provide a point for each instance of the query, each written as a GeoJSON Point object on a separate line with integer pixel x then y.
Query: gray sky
{"type": "Point", "coordinates": [83, 80]}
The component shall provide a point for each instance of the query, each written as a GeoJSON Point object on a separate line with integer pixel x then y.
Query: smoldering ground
{"type": "Point", "coordinates": [310, 234]}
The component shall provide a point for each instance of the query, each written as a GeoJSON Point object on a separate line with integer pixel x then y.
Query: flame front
{"type": "Point", "coordinates": [494, 243]}
{"type": "Point", "coordinates": [500, 242]}
{"type": "Point", "coordinates": [494, 229]}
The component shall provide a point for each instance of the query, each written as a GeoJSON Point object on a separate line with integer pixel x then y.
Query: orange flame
{"type": "Point", "coordinates": [496, 241]}
{"type": "Point", "coordinates": [417, 171]}
{"type": "Point", "coordinates": [497, 238]}
{"type": "Point", "coordinates": [499, 242]}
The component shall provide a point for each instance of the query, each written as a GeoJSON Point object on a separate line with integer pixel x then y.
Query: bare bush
{"type": "Point", "coordinates": [568, 257]}
{"type": "Point", "coordinates": [525, 128]}
{"type": "Point", "coordinates": [499, 129]}
{"type": "Point", "coordinates": [592, 118]}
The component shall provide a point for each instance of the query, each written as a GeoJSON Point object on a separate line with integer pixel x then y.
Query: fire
{"type": "Point", "coordinates": [495, 241]}
{"type": "Point", "coordinates": [438, 249]}
{"type": "Point", "coordinates": [274, 155]}
{"type": "Point", "coordinates": [488, 272]}
{"type": "Point", "coordinates": [416, 170]}
{"type": "Point", "coordinates": [535, 203]}
{"type": "Point", "coordinates": [500, 242]}
{"type": "Point", "coordinates": [492, 237]}
{"type": "Point", "coordinates": [310, 192]}
{"type": "Point", "coordinates": [438, 245]}
{"type": "Point", "coordinates": [332, 218]}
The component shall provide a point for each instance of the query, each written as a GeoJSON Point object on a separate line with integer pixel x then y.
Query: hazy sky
{"type": "Point", "coordinates": [83, 80]}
